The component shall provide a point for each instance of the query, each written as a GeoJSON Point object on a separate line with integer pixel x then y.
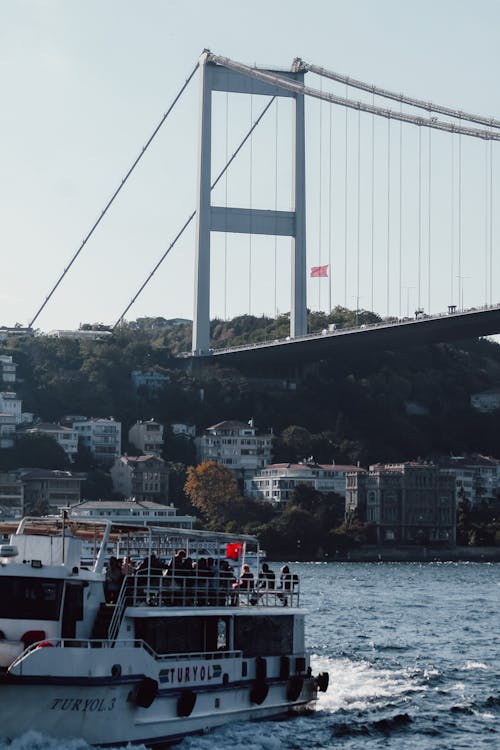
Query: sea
{"type": "Point", "coordinates": [413, 654]}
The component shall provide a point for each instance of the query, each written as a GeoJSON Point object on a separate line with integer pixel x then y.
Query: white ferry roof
{"type": "Point", "coordinates": [89, 529]}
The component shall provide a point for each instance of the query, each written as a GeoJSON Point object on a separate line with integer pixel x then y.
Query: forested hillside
{"type": "Point", "coordinates": [367, 407]}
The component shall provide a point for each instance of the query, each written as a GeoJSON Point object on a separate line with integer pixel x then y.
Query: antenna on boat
{"type": "Point", "coordinates": [64, 514]}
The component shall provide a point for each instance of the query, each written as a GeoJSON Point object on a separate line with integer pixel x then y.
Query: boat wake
{"type": "Point", "coordinates": [359, 685]}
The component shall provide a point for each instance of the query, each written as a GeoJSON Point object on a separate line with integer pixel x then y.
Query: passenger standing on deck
{"type": "Point", "coordinates": [285, 584]}
{"type": "Point", "coordinates": [113, 581]}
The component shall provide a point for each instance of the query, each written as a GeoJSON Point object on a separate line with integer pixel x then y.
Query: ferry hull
{"type": "Point", "coordinates": [107, 715]}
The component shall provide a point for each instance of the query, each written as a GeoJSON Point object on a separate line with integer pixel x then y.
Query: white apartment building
{"type": "Point", "coordinates": [478, 477]}
{"type": "Point", "coordinates": [103, 437]}
{"type": "Point", "coordinates": [236, 445]}
{"type": "Point", "coordinates": [66, 437]}
{"type": "Point", "coordinates": [7, 430]}
{"type": "Point", "coordinates": [277, 482]}
{"type": "Point", "coordinates": [7, 370]}
{"type": "Point", "coordinates": [11, 404]}
{"type": "Point", "coordinates": [147, 437]}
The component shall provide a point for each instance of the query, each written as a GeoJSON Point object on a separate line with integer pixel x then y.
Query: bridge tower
{"type": "Point", "coordinates": [217, 77]}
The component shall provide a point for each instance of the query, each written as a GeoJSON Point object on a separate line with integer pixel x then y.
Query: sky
{"type": "Point", "coordinates": [85, 82]}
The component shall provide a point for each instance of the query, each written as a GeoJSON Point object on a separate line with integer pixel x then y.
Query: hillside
{"type": "Point", "coordinates": [383, 406]}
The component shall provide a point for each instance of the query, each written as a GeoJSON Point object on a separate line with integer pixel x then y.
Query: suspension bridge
{"type": "Point", "coordinates": [400, 207]}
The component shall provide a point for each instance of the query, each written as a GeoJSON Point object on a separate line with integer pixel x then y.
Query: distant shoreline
{"type": "Point", "coordinates": [425, 554]}
{"type": "Point", "coordinates": [414, 554]}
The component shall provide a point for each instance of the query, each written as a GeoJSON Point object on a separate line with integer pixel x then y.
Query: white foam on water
{"type": "Point", "coordinates": [33, 740]}
{"type": "Point", "coordinates": [358, 685]}
{"type": "Point", "coordinates": [470, 665]}
{"type": "Point", "coordinates": [267, 735]}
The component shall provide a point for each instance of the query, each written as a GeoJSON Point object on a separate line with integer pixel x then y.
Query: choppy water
{"type": "Point", "coordinates": [413, 653]}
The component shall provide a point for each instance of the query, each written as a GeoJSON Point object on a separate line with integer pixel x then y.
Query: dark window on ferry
{"type": "Point", "coordinates": [30, 598]}
{"type": "Point", "coordinates": [263, 636]}
{"type": "Point", "coordinates": [179, 635]}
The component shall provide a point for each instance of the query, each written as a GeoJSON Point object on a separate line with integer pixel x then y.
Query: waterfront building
{"type": "Point", "coordinates": [236, 445]}
{"type": "Point", "coordinates": [477, 476]}
{"type": "Point", "coordinates": [144, 478]}
{"type": "Point", "coordinates": [66, 437]}
{"type": "Point", "coordinates": [50, 490]}
{"type": "Point", "coordinates": [276, 483]}
{"type": "Point", "coordinates": [406, 503]}
{"type": "Point", "coordinates": [11, 497]}
{"type": "Point", "coordinates": [147, 437]}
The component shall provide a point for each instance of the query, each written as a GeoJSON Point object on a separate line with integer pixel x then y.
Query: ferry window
{"type": "Point", "coordinates": [169, 635]}
{"type": "Point", "coordinates": [30, 598]}
{"type": "Point", "coordinates": [263, 636]}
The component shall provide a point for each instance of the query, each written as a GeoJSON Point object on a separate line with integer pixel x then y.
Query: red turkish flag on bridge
{"type": "Point", "coordinates": [317, 271]}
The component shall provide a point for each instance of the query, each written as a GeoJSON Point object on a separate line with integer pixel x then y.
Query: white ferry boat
{"type": "Point", "coordinates": [173, 655]}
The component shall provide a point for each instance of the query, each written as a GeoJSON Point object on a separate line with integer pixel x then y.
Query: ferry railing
{"type": "Point", "coordinates": [92, 643]}
{"type": "Point", "coordinates": [193, 589]}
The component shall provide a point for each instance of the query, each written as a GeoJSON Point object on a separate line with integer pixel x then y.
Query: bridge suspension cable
{"type": "Point", "coordinates": [385, 94]}
{"type": "Point", "coordinates": [193, 214]}
{"type": "Point", "coordinates": [298, 88]}
{"type": "Point", "coordinates": [114, 196]}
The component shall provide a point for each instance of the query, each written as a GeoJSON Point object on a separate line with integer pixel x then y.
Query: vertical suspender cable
{"type": "Point", "coordinates": [345, 202]}
{"type": "Point", "coordinates": [452, 219]}
{"type": "Point", "coordinates": [372, 262]}
{"type": "Point", "coordinates": [388, 209]}
{"type": "Point", "coordinates": [400, 214]}
{"type": "Point", "coordinates": [419, 300]}
{"type": "Point", "coordinates": [429, 227]}
{"type": "Point", "coordinates": [275, 209]}
{"type": "Point", "coordinates": [330, 209]}
{"type": "Point", "coordinates": [320, 191]}
{"type": "Point", "coordinates": [460, 280]}
{"type": "Point", "coordinates": [225, 215]}
{"type": "Point", "coordinates": [491, 222]}
{"type": "Point", "coordinates": [250, 233]}
{"type": "Point", "coordinates": [486, 210]}
{"type": "Point", "coordinates": [358, 238]}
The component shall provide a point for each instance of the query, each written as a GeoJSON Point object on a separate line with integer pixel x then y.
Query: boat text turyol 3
{"type": "Point", "coordinates": [168, 653]}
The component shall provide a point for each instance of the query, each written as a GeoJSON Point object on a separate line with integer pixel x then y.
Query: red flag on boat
{"type": "Point", "coordinates": [234, 550]}
{"type": "Point", "coordinates": [317, 271]}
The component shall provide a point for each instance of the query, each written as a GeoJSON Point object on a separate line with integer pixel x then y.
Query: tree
{"type": "Point", "coordinates": [295, 443]}
{"type": "Point", "coordinates": [214, 491]}
{"type": "Point", "coordinates": [40, 452]}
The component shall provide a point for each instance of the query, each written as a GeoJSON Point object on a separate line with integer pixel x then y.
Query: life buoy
{"type": "Point", "coordinates": [294, 687]}
{"type": "Point", "coordinates": [185, 703]}
{"type": "Point", "coordinates": [44, 644]}
{"type": "Point", "coordinates": [144, 693]}
{"type": "Point", "coordinates": [322, 681]}
{"type": "Point", "coordinates": [259, 691]}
